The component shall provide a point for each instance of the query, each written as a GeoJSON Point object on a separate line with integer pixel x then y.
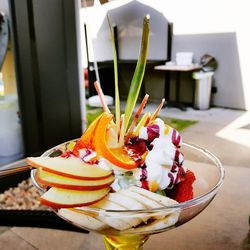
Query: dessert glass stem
{"type": "Point", "coordinates": [129, 242]}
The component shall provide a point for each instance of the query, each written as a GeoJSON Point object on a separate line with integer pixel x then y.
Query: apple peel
{"type": "Point", "coordinates": [54, 180]}
{"type": "Point", "coordinates": [69, 167]}
{"type": "Point", "coordinates": [63, 198]}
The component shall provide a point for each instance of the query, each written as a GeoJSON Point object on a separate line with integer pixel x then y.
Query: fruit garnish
{"type": "Point", "coordinates": [86, 140]}
{"type": "Point", "coordinates": [55, 180]}
{"type": "Point", "coordinates": [63, 198]}
{"type": "Point", "coordinates": [117, 156]}
{"type": "Point", "coordinates": [70, 167]}
{"type": "Point", "coordinates": [183, 191]}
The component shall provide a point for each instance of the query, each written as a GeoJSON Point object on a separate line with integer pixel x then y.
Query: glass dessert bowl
{"type": "Point", "coordinates": [130, 227]}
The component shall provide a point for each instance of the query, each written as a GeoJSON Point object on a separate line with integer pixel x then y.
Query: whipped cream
{"type": "Point", "coordinates": [162, 163]}
{"type": "Point", "coordinates": [164, 159]}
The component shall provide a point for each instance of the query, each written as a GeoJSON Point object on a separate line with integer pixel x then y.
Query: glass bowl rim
{"type": "Point", "coordinates": [210, 193]}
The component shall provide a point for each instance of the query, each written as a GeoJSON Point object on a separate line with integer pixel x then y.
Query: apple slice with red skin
{"type": "Point", "coordinates": [54, 180]}
{"type": "Point", "coordinates": [69, 167]}
{"type": "Point", "coordinates": [65, 198]}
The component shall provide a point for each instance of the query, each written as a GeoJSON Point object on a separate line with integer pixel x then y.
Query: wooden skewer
{"type": "Point", "coordinates": [101, 96]}
{"type": "Point", "coordinates": [141, 123]}
{"type": "Point", "coordinates": [136, 117]}
{"type": "Point", "coordinates": [157, 111]}
{"type": "Point", "coordinates": [122, 131]}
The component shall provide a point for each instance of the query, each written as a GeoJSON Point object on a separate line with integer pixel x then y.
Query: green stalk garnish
{"type": "Point", "coordinates": [117, 97]}
{"type": "Point", "coordinates": [138, 74]}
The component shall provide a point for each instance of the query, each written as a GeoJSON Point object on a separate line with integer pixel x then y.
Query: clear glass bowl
{"type": "Point", "coordinates": [129, 229]}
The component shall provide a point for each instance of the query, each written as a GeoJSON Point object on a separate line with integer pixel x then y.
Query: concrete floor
{"type": "Point", "coordinates": [223, 225]}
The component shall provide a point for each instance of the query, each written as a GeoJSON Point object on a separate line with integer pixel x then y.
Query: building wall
{"type": "Point", "coordinates": [219, 28]}
{"type": "Point", "coordinates": [227, 78]}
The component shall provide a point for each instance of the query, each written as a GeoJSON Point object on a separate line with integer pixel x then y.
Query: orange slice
{"type": "Point", "coordinates": [86, 140]}
{"type": "Point", "coordinates": [117, 156]}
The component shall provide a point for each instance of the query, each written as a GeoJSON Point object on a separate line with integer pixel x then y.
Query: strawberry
{"type": "Point", "coordinates": [183, 191]}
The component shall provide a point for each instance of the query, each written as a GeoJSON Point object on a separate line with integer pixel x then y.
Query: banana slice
{"type": "Point", "coordinates": [165, 201]}
{"type": "Point", "coordinates": [82, 219]}
{"type": "Point", "coordinates": [129, 204]}
{"type": "Point", "coordinates": [161, 200]}
{"type": "Point", "coordinates": [112, 219]}
{"type": "Point", "coordinates": [125, 201]}
{"type": "Point", "coordinates": [148, 203]}
{"type": "Point", "coordinates": [145, 201]}
{"type": "Point", "coordinates": [133, 198]}
{"type": "Point", "coordinates": [156, 225]}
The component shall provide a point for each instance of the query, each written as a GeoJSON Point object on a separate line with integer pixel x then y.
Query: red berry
{"type": "Point", "coordinates": [183, 191]}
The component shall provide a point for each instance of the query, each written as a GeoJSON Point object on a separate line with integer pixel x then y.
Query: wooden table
{"type": "Point", "coordinates": [178, 69]}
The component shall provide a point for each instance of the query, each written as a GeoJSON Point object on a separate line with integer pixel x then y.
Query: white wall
{"type": "Point", "coordinates": [218, 27]}
{"type": "Point", "coordinates": [222, 29]}
{"type": "Point", "coordinates": [128, 16]}
{"type": "Point", "coordinates": [4, 7]}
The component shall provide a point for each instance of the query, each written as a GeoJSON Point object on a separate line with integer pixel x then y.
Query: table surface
{"type": "Point", "coordinates": [174, 67]}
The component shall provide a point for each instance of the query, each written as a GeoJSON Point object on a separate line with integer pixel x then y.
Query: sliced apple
{"type": "Point", "coordinates": [70, 167]}
{"type": "Point", "coordinates": [63, 198]}
{"type": "Point", "coordinates": [55, 180]}
{"type": "Point", "coordinates": [82, 218]}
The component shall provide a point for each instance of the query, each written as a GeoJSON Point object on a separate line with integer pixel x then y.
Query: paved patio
{"type": "Point", "coordinates": [223, 225]}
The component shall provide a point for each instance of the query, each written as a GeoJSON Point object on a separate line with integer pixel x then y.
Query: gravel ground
{"type": "Point", "coordinates": [24, 197]}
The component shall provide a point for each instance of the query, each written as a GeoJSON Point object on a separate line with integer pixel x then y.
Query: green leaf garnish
{"type": "Point", "coordinates": [117, 97]}
{"type": "Point", "coordinates": [138, 74]}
